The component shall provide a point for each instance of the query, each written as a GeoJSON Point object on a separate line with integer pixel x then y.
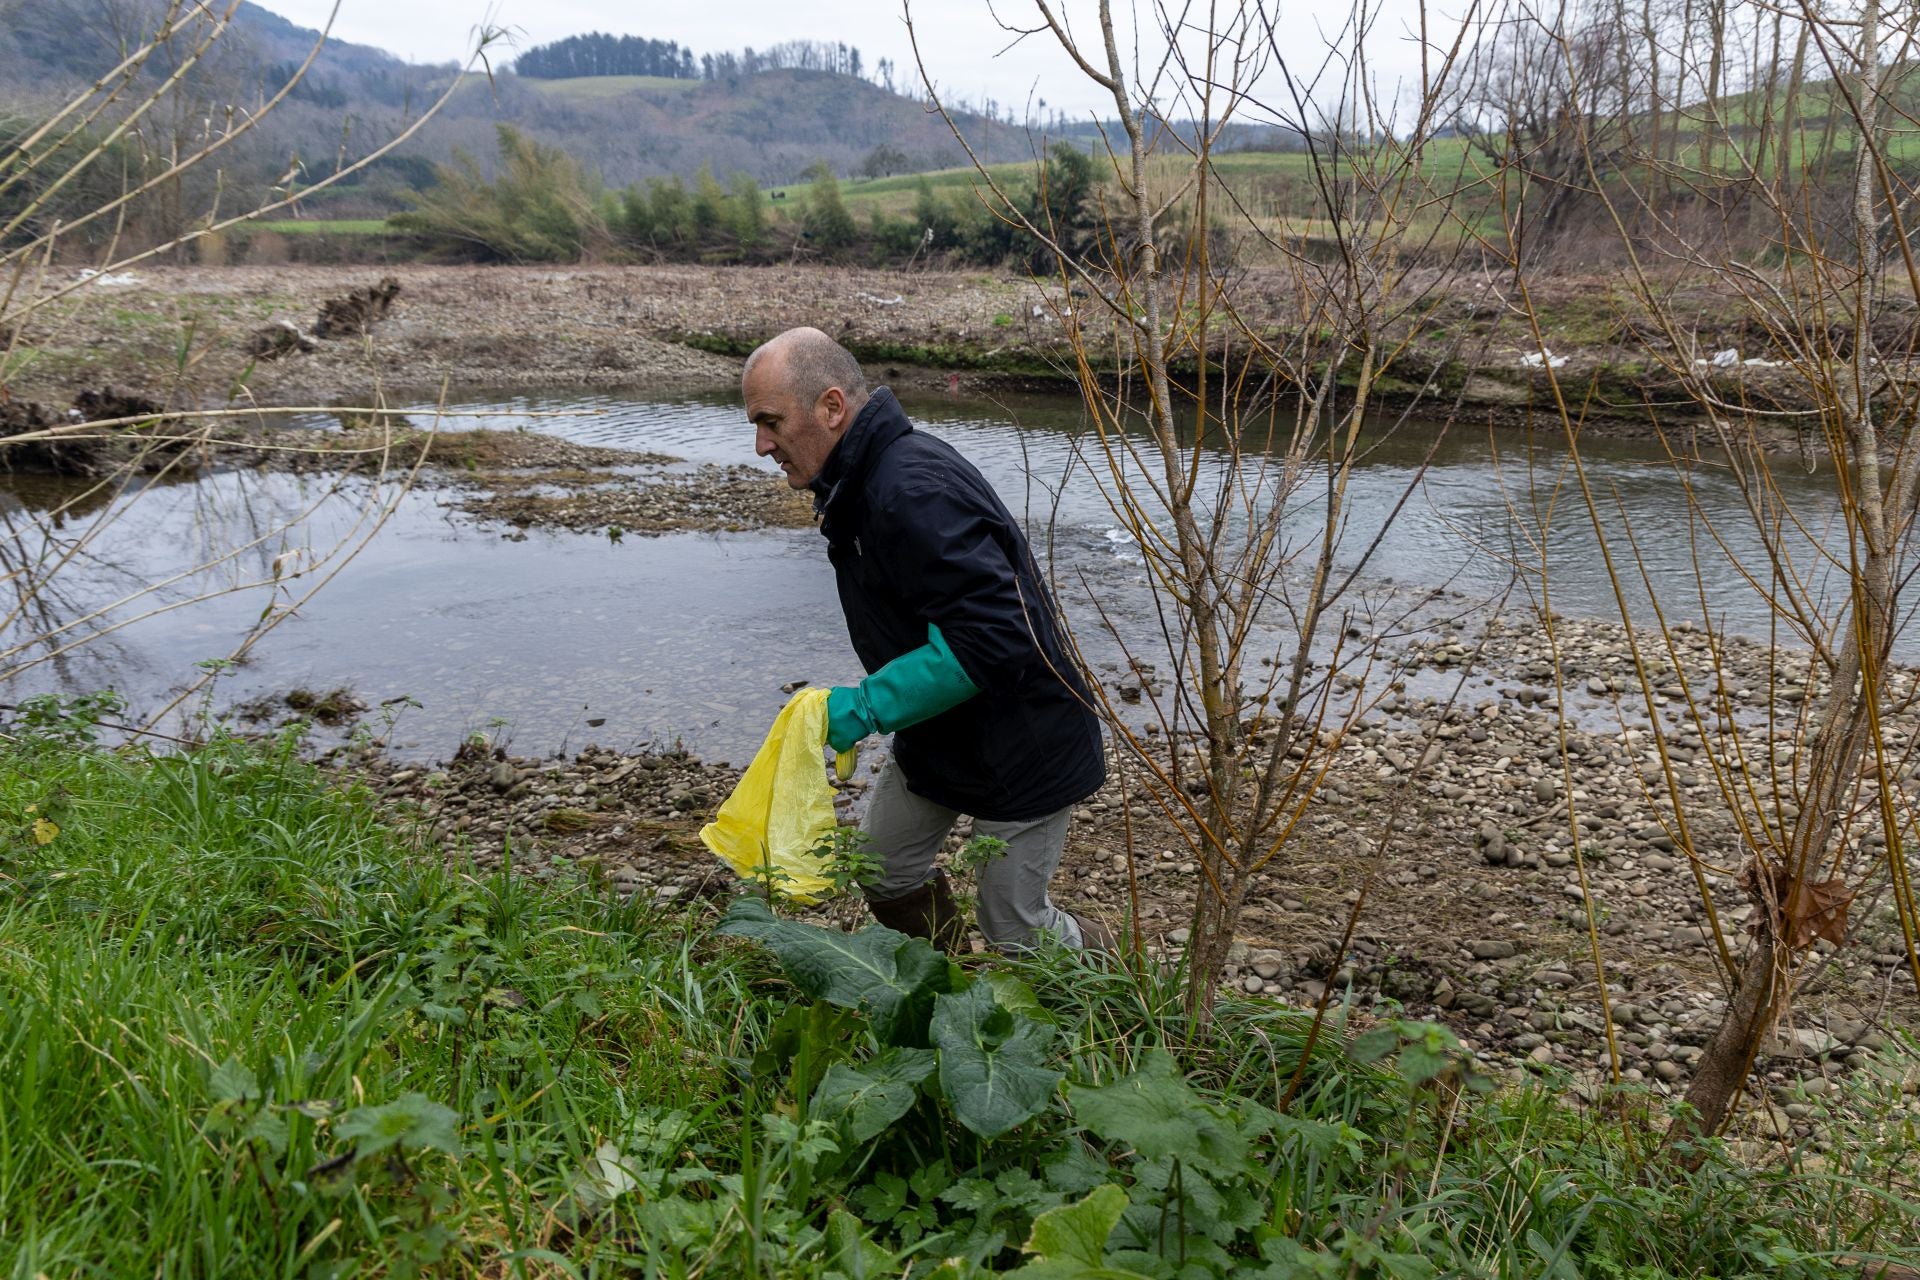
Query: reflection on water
{"type": "Point", "coordinates": [691, 636]}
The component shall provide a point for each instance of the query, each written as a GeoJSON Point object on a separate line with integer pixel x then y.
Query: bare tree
{"type": "Point", "coordinates": [1224, 444]}
{"type": "Point", "coordinates": [1811, 792]}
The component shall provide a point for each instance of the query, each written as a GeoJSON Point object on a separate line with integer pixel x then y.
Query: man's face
{"type": "Point", "coordinates": [797, 436]}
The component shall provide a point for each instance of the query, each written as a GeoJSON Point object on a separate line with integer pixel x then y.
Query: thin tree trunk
{"type": "Point", "coordinates": [1844, 727]}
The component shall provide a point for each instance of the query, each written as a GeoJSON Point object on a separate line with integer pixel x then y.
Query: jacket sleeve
{"type": "Point", "coordinates": [949, 552]}
{"type": "Point", "coordinates": [916, 686]}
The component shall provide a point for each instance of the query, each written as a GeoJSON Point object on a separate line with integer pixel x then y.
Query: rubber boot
{"type": "Point", "coordinates": [1096, 934]}
{"type": "Point", "coordinates": [928, 912]}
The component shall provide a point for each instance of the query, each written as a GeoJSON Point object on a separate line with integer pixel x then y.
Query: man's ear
{"type": "Point", "coordinates": [833, 406]}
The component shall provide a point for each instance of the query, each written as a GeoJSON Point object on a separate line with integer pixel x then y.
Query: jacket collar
{"type": "Point", "coordinates": [879, 423]}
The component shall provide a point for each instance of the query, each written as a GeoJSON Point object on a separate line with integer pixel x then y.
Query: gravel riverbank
{"type": "Point", "coordinates": [1476, 908]}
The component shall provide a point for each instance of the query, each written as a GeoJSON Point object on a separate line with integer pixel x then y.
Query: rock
{"type": "Point", "coordinates": [1553, 978]}
{"type": "Point", "coordinates": [1443, 993]}
{"type": "Point", "coordinates": [1799, 1042]}
{"type": "Point", "coordinates": [281, 338]}
{"type": "Point", "coordinates": [1493, 949]}
{"type": "Point", "coordinates": [1544, 791]}
{"type": "Point", "coordinates": [1542, 1054]}
{"type": "Point", "coordinates": [1669, 1070]}
{"type": "Point", "coordinates": [1405, 985]}
{"type": "Point", "coordinates": [502, 776]}
{"type": "Point", "coordinates": [1269, 964]}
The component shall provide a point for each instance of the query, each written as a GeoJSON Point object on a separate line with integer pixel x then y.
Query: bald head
{"type": "Point", "coordinates": [803, 390]}
{"type": "Point", "coordinates": [807, 363]}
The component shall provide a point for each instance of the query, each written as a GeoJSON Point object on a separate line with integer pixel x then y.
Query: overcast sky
{"type": "Point", "coordinates": [967, 52]}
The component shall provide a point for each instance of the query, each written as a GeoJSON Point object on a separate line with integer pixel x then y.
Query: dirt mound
{"type": "Point", "coordinates": [54, 457]}
{"type": "Point", "coordinates": [86, 454]}
{"type": "Point", "coordinates": [358, 311]}
{"type": "Point", "coordinates": [106, 405]}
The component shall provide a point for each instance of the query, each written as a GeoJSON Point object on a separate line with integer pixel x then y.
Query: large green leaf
{"type": "Point", "coordinates": [411, 1122]}
{"type": "Point", "coordinates": [855, 1255]}
{"type": "Point", "coordinates": [867, 1100]}
{"type": "Point", "coordinates": [887, 976]}
{"type": "Point", "coordinates": [991, 1061]}
{"type": "Point", "coordinates": [1070, 1243]}
{"type": "Point", "coordinates": [1158, 1114]}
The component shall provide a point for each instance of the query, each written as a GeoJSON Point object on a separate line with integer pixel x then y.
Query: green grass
{"type": "Point", "coordinates": [325, 226]}
{"type": "Point", "coordinates": [597, 88]}
{"type": "Point", "coordinates": [249, 1029]}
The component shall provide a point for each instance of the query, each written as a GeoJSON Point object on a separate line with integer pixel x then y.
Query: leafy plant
{"type": "Point", "coordinates": [68, 720]}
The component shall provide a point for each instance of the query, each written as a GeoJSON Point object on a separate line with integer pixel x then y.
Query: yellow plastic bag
{"type": "Point", "coordinates": [782, 806]}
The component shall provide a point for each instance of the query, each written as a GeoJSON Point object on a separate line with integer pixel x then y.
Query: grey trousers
{"type": "Point", "coordinates": [906, 832]}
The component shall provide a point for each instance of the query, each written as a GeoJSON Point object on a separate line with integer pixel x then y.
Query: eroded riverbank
{"type": "Point", "coordinates": [183, 335]}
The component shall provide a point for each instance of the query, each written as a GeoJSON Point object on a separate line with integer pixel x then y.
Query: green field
{"type": "Point", "coordinates": [324, 226]}
{"type": "Point", "coordinates": [594, 88]}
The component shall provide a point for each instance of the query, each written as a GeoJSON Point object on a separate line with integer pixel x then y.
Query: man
{"type": "Point", "coordinates": [949, 616]}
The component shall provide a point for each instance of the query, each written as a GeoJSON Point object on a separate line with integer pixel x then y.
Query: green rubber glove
{"type": "Point", "coordinates": [913, 687]}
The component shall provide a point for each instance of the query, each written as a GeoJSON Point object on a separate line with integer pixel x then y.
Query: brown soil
{"type": "Point", "coordinates": [525, 480]}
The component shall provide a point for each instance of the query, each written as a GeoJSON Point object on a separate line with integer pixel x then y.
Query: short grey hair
{"type": "Point", "coordinates": [812, 363]}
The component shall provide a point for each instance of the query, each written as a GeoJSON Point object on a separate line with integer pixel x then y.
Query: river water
{"type": "Point", "coordinates": [690, 637]}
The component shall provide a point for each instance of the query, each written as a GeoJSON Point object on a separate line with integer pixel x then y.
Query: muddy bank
{"type": "Point", "coordinates": [524, 480]}
{"type": "Point", "coordinates": [1476, 908]}
{"type": "Point", "coordinates": [661, 327]}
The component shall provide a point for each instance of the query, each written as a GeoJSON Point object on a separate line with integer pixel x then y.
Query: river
{"type": "Point", "coordinates": [556, 639]}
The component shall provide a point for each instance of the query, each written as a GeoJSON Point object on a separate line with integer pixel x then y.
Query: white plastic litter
{"type": "Point", "coordinates": [109, 281]}
{"type": "Point", "coordinates": [1726, 359]}
{"type": "Point", "coordinates": [1542, 359]}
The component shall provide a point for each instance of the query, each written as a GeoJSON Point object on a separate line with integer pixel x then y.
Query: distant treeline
{"type": "Point", "coordinates": [600, 54]}
{"type": "Point", "coordinates": [542, 206]}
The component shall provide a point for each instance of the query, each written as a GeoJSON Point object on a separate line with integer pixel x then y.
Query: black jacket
{"type": "Point", "coordinates": [917, 536]}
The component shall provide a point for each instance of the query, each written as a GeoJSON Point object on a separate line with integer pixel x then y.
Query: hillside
{"type": "Point", "coordinates": [56, 46]}
{"type": "Point", "coordinates": [772, 124]}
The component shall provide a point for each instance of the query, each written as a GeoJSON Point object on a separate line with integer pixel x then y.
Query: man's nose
{"type": "Point", "coordinates": [762, 441]}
